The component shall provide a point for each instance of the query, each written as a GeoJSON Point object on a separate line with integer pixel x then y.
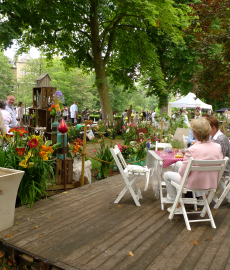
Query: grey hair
{"type": "Point", "coordinates": [2, 104]}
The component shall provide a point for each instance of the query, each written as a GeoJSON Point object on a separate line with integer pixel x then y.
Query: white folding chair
{"type": "Point", "coordinates": [129, 173]}
{"type": "Point", "coordinates": [224, 185]}
{"type": "Point", "coordinates": [162, 145]}
{"type": "Point", "coordinates": [200, 166]}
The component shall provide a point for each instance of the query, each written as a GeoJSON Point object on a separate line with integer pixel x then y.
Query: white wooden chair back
{"type": "Point", "coordinates": [199, 166]}
{"type": "Point", "coordinates": [118, 157]}
{"type": "Point", "coordinates": [162, 145]}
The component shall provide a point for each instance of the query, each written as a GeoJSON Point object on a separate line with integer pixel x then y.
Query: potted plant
{"type": "Point", "coordinates": [177, 144]}
{"type": "Point", "coordinates": [9, 183]}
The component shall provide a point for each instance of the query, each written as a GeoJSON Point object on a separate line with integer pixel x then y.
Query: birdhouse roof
{"type": "Point", "coordinates": [42, 76]}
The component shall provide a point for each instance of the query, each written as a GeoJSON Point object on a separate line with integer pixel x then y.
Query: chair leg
{"type": "Point", "coordinates": [208, 210]}
{"type": "Point", "coordinates": [122, 193]}
{"type": "Point", "coordinates": [223, 195]}
{"type": "Point", "coordinates": [147, 181]}
{"type": "Point", "coordinates": [185, 215]}
{"type": "Point", "coordinates": [161, 197]}
{"type": "Point", "coordinates": [194, 197]}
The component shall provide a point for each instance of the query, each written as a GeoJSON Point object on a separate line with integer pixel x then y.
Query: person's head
{"type": "Point", "coordinates": [201, 129]}
{"type": "Point", "coordinates": [205, 115]}
{"type": "Point", "coordinates": [10, 100]}
{"type": "Point", "coordinates": [19, 104]}
{"type": "Point", "coordinates": [214, 123]}
{"type": "Point", "coordinates": [2, 104]}
{"type": "Point", "coordinates": [136, 111]}
{"type": "Point", "coordinates": [75, 102]}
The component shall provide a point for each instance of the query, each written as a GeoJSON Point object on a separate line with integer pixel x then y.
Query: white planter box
{"type": "Point", "coordinates": [9, 183]}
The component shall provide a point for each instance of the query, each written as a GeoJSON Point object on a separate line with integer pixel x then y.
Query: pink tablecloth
{"type": "Point", "coordinates": [168, 158]}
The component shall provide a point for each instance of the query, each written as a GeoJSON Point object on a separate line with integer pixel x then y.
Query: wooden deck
{"type": "Point", "coordinates": [84, 229]}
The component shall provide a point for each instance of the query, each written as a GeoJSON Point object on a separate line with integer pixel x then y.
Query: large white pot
{"type": "Point", "coordinates": [9, 183]}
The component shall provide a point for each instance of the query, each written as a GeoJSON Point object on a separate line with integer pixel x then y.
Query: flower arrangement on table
{"type": "Point", "coordinates": [57, 106]}
{"type": "Point", "coordinates": [34, 156]}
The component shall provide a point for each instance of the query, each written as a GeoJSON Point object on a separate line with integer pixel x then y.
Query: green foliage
{"type": "Point", "coordinates": [177, 144]}
{"type": "Point", "coordinates": [212, 42]}
{"type": "Point", "coordinates": [104, 154]}
{"type": "Point", "coordinates": [73, 133]}
{"type": "Point", "coordinates": [108, 36]}
{"type": "Point", "coordinates": [7, 81]}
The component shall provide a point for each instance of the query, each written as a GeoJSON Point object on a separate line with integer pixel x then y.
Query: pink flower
{"type": "Point", "coordinates": [120, 147]}
{"type": "Point", "coordinates": [123, 127]}
{"type": "Point", "coordinates": [94, 150]}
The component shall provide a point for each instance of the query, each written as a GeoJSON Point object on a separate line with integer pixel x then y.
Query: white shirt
{"type": "Point", "coordinates": [73, 108]}
{"type": "Point", "coordinates": [217, 134]}
{"type": "Point", "coordinates": [7, 119]}
{"type": "Point", "coordinates": [153, 114]}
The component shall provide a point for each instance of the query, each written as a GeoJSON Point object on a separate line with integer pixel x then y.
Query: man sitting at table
{"type": "Point", "coordinates": [199, 150]}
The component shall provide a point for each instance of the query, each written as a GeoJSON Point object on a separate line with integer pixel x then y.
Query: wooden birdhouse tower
{"type": "Point", "coordinates": [43, 80]}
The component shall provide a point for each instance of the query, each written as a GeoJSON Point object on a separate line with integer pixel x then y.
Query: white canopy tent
{"type": "Point", "coordinates": [190, 102]}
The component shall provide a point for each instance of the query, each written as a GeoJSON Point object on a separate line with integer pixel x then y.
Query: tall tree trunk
{"type": "Point", "coordinates": [102, 87]}
{"type": "Point", "coordinates": [99, 65]}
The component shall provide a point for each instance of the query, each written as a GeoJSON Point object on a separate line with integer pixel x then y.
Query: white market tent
{"type": "Point", "coordinates": [190, 102]}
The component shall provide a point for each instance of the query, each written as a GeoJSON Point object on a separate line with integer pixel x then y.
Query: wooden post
{"type": "Point", "coordinates": [83, 151]}
{"type": "Point", "coordinates": [162, 127]}
{"type": "Point", "coordinates": [64, 163]}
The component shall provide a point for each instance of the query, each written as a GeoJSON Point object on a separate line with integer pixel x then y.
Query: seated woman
{"type": "Point", "coordinates": [202, 149]}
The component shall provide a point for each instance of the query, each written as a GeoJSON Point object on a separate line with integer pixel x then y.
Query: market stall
{"type": "Point", "coordinates": [190, 102]}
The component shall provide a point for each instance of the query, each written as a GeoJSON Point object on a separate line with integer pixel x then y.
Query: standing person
{"type": "Point", "coordinates": [19, 113]}
{"type": "Point", "coordinates": [153, 115]}
{"type": "Point", "coordinates": [10, 108]}
{"type": "Point", "coordinates": [100, 115]}
{"type": "Point", "coordinates": [136, 118]}
{"type": "Point", "coordinates": [143, 115]}
{"type": "Point", "coordinates": [5, 115]}
{"type": "Point", "coordinates": [74, 112]}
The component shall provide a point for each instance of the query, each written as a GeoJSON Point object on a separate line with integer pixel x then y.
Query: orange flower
{"type": "Point", "coordinates": [76, 148]}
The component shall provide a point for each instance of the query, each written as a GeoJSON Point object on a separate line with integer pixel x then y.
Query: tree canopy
{"type": "Point", "coordinates": [7, 80]}
{"type": "Point", "coordinates": [110, 37]}
{"type": "Point", "coordinates": [212, 42]}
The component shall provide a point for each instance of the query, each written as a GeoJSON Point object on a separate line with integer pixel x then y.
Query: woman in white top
{"type": "Point", "coordinates": [5, 115]}
{"type": "Point", "coordinates": [19, 113]}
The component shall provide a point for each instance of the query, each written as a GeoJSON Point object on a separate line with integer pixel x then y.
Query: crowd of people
{"type": "Point", "coordinates": [136, 116]}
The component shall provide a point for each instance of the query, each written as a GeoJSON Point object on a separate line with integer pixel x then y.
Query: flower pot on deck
{"type": "Point", "coordinates": [9, 183]}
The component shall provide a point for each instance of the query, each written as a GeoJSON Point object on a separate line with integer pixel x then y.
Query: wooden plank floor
{"type": "Point", "coordinates": [84, 229]}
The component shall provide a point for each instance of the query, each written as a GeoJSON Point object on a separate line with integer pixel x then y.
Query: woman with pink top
{"type": "Point", "coordinates": [5, 114]}
{"type": "Point", "coordinates": [202, 149]}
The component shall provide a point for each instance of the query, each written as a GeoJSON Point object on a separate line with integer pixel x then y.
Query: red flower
{"type": "Point", "coordinates": [33, 143]}
{"type": "Point", "coordinates": [78, 141]}
{"type": "Point", "coordinates": [20, 151]}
